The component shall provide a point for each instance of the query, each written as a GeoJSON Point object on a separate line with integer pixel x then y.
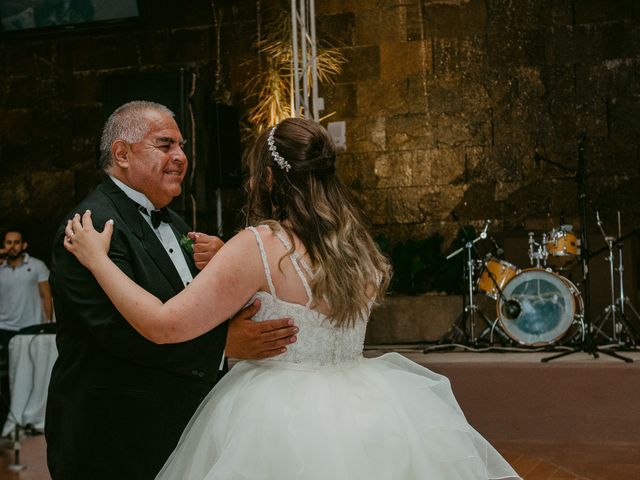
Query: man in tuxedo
{"type": "Point", "coordinates": [117, 402]}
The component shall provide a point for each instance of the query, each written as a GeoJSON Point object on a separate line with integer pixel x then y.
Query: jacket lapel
{"type": "Point", "coordinates": [128, 209]}
{"type": "Point", "coordinates": [187, 256]}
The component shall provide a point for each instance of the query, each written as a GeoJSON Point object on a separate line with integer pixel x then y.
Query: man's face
{"type": "Point", "coordinates": [158, 164]}
{"type": "Point", "coordinates": [14, 245]}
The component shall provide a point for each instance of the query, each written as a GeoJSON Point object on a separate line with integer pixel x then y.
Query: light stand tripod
{"type": "Point", "coordinates": [16, 466]}
{"type": "Point", "coordinates": [621, 332]}
{"type": "Point", "coordinates": [588, 344]}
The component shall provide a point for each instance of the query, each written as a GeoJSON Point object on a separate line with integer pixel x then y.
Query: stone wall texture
{"type": "Point", "coordinates": [473, 106]}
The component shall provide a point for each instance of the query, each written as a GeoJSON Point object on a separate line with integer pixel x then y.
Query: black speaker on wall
{"type": "Point", "coordinates": [167, 88]}
{"type": "Point", "coordinates": [225, 147]}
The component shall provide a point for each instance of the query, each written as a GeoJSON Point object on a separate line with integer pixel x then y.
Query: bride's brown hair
{"type": "Point", "coordinates": [310, 202]}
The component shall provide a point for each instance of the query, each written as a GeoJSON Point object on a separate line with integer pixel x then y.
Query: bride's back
{"type": "Point", "coordinates": [293, 181]}
{"type": "Point", "coordinates": [288, 294]}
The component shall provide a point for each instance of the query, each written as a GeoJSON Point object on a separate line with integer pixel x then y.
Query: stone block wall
{"type": "Point", "coordinates": [467, 105]}
{"type": "Point", "coordinates": [477, 106]}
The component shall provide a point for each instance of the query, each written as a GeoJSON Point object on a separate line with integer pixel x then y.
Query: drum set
{"type": "Point", "coordinates": [535, 306]}
{"type": "Point", "coordinates": [539, 306]}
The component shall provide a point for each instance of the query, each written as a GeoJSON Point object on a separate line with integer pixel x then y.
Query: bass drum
{"type": "Point", "coordinates": [549, 307]}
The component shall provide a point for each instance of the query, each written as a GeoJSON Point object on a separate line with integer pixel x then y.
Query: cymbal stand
{"type": "Point", "coordinates": [621, 333]}
{"type": "Point", "coordinates": [588, 343]}
{"type": "Point", "coordinates": [623, 299]}
{"type": "Point", "coordinates": [470, 310]}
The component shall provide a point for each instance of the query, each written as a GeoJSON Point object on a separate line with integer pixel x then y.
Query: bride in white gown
{"type": "Point", "coordinates": [319, 410]}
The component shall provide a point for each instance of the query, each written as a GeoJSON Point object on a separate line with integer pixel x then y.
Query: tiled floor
{"type": "Point", "coordinates": [534, 461]}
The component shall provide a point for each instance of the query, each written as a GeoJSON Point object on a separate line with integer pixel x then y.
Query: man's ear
{"type": "Point", "coordinates": [24, 246]}
{"type": "Point", "coordinates": [120, 151]}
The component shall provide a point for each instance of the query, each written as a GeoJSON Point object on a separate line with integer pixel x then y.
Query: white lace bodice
{"type": "Point", "coordinates": [320, 342]}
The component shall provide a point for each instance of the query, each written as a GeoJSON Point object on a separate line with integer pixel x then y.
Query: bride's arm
{"type": "Point", "coordinates": [221, 289]}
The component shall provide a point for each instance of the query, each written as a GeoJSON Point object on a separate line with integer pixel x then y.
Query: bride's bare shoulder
{"type": "Point", "coordinates": [242, 240]}
{"type": "Point", "coordinates": [246, 240]}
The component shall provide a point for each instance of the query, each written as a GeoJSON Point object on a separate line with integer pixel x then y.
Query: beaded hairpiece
{"type": "Point", "coordinates": [282, 163]}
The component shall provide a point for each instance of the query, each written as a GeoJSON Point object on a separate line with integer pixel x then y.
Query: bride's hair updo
{"type": "Point", "coordinates": [293, 181]}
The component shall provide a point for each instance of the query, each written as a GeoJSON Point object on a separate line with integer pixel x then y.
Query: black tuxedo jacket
{"type": "Point", "coordinates": [117, 402]}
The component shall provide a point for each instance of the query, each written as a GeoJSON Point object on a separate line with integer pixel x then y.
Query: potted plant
{"type": "Point", "coordinates": [424, 295]}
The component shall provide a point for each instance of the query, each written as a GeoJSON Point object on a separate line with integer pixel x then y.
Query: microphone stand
{"type": "Point", "coordinates": [588, 344]}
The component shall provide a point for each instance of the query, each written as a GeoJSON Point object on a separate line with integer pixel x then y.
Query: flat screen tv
{"type": "Point", "coordinates": [42, 16]}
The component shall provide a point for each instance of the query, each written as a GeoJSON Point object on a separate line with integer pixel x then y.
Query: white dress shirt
{"type": "Point", "coordinates": [164, 232]}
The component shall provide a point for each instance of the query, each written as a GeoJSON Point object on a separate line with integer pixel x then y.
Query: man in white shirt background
{"type": "Point", "coordinates": [25, 298]}
{"type": "Point", "coordinates": [25, 294]}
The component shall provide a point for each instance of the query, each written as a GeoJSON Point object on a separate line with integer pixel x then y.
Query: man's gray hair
{"type": "Point", "coordinates": [129, 123]}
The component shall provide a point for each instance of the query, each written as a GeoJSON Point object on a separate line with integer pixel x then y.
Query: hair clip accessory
{"type": "Point", "coordinates": [282, 163]}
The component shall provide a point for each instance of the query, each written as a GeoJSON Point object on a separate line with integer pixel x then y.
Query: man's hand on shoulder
{"type": "Point", "coordinates": [204, 248]}
{"type": "Point", "coordinates": [249, 340]}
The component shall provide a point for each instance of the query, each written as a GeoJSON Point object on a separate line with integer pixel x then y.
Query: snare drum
{"type": "Point", "coordinates": [549, 306]}
{"type": "Point", "coordinates": [500, 270]}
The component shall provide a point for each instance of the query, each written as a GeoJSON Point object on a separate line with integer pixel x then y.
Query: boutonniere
{"type": "Point", "coordinates": [187, 244]}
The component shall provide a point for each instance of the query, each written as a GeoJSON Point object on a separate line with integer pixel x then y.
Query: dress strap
{"type": "Point", "coordinates": [263, 254]}
{"type": "Point", "coordinates": [305, 266]}
{"type": "Point", "coordinates": [295, 258]}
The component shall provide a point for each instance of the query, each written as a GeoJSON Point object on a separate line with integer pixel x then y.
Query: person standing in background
{"type": "Point", "coordinates": [25, 294]}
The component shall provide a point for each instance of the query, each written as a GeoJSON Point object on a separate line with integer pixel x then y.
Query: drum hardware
{"type": "Point", "coordinates": [470, 310]}
{"type": "Point", "coordinates": [588, 343]}
{"type": "Point", "coordinates": [538, 251]}
{"type": "Point", "coordinates": [498, 250]}
{"type": "Point", "coordinates": [559, 249]}
{"type": "Point", "coordinates": [563, 247]}
{"type": "Point", "coordinates": [621, 333]}
{"type": "Point", "coordinates": [495, 274]}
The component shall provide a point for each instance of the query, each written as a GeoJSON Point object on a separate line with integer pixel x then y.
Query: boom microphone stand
{"type": "Point", "coordinates": [588, 344]}
{"type": "Point", "coordinates": [470, 310]}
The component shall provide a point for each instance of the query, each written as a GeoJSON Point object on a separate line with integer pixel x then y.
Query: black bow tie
{"type": "Point", "coordinates": [157, 216]}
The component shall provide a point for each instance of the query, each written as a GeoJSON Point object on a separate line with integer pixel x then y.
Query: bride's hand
{"type": "Point", "coordinates": [84, 241]}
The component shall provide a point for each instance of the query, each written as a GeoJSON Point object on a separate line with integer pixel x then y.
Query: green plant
{"type": "Point", "coordinates": [420, 266]}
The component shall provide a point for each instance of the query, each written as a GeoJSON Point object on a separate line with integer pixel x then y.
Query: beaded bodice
{"type": "Point", "coordinates": [319, 342]}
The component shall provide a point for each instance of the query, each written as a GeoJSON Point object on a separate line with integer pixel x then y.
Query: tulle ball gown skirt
{"type": "Point", "coordinates": [374, 419]}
